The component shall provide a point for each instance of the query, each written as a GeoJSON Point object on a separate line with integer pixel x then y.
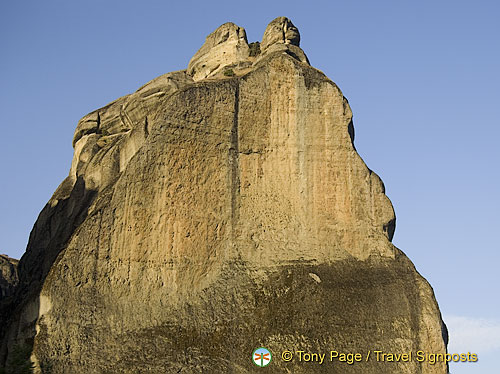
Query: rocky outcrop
{"type": "Point", "coordinates": [209, 214]}
{"type": "Point", "coordinates": [8, 275]}
{"type": "Point", "coordinates": [226, 51]}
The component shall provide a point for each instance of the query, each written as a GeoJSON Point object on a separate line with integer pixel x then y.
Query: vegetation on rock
{"type": "Point", "coordinates": [19, 361]}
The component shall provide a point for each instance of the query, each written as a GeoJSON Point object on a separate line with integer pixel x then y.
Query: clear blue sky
{"type": "Point", "coordinates": [422, 78]}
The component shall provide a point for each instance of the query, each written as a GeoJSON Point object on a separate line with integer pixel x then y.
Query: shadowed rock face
{"type": "Point", "coordinates": [206, 215]}
{"type": "Point", "coordinates": [8, 275]}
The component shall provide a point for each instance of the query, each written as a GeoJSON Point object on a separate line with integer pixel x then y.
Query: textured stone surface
{"type": "Point", "coordinates": [201, 220]}
{"type": "Point", "coordinates": [8, 275]}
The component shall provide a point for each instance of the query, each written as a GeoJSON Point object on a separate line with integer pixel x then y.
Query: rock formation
{"type": "Point", "coordinates": [214, 211]}
{"type": "Point", "coordinates": [8, 275]}
{"type": "Point", "coordinates": [227, 50]}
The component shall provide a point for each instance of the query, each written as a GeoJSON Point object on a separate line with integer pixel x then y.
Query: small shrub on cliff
{"type": "Point", "coordinates": [229, 73]}
{"type": "Point", "coordinates": [254, 49]}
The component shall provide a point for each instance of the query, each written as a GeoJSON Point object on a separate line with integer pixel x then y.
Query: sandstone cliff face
{"type": "Point", "coordinates": [8, 275]}
{"type": "Point", "coordinates": [205, 216]}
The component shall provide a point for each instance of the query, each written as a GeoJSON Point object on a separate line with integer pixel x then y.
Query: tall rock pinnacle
{"type": "Point", "coordinates": [280, 30]}
{"type": "Point", "coordinates": [213, 211]}
{"type": "Point", "coordinates": [225, 46]}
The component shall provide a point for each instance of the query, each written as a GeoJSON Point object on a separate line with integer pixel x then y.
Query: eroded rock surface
{"type": "Point", "coordinates": [206, 215]}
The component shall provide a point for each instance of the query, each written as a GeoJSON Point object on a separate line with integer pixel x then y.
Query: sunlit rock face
{"type": "Point", "coordinates": [213, 212]}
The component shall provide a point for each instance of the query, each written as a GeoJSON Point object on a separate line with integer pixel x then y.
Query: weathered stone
{"type": "Point", "coordinates": [201, 220]}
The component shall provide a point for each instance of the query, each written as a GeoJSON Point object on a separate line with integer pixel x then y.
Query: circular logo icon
{"type": "Point", "coordinates": [262, 357]}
